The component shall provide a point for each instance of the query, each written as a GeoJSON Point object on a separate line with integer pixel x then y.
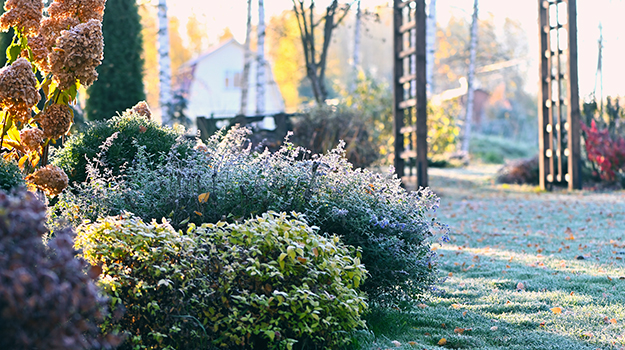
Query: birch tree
{"type": "Point", "coordinates": [260, 65]}
{"type": "Point", "coordinates": [245, 81]}
{"type": "Point", "coordinates": [356, 53]}
{"type": "Point", "coordinates": [430, 43]}
{"type": "Point", "coordinates": [164, 62]}
{"type": "Point", "coordinates": [468, 120]}
{"type": "Point", "coordinates": [315, 57]}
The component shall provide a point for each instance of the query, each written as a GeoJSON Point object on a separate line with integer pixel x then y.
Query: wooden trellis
{"type": "Point", "coordinates": [409, 89]}
{"type": "Point", "coordinates": [558, 96]}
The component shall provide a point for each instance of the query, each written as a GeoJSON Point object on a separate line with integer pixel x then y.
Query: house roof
{"type": "Point", "coordinates": [212, 50]}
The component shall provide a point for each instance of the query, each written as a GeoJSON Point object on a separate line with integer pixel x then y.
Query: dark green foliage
{"type": "Point", "coordinates": [117, 141]}
{"type": "Point", "coordinates": [46, 300]}
{"type": "Point", "coordinates": [368, 210]}
{"type": "Point", "coordinates": [264, 283]}
{"type": "Point", "coordinates": [322, 128]}
{"type": "Point", "coordinates": [120, 77]}
{"type": "Point", "coordinates": [5, 39]}
{"type": "Point", "coordinates": [10, 175]}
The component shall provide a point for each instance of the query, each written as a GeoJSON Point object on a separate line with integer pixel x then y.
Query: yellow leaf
{"type": "Point", "coordinates": [203, 198]}
{"type": "Point", "coordinates": [556, 310]}
{"type": "Point", "coordinates": [613, 320]}
{"type": "Point", "coordinates": [456, 306]}
{"type": "Point", "coordinates": [413, 343]}
{"type": "Point", "coordinates": [198, 213]}
{"type": "Point", "coordinates": [442, 342]}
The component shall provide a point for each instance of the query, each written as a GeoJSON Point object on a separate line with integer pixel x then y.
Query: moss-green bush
{"type": "Point", "coordinates": [10, 175]}
{"type": "Point", "coordinates": [270, 282]}
{"type": "Point", "coordinates": [116, 141]}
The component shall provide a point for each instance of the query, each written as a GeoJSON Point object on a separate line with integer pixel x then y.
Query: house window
{"type": "Point", "coordinates": [232, 80]}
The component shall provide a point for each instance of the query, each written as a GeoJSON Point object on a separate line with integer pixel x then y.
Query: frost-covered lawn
{"type": "Point", "coordinates": [524, 270]}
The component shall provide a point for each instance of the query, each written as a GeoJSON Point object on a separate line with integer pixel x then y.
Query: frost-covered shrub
{"type": "Point", "coordinates": [225, 179]}
{"type": "Point", "coordinates": [46, 299]}
{"type": "Point", "coordinates": [115, 141]}
{"type": "Point", "coordinates": [269, 282]}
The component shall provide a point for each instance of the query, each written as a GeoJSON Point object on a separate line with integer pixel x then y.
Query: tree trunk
{"type": "Point", "coordinates": [471, 81]}
{"type": "Point", "coordinates": [430, 46]}
{"type": "Point", "coordinates": [260, 68]}
{"type": "Point", "coordinates": [356, 54]}
{"type": "Point", "coordinates": [245, 78]}
{"type": "Point", "coordinates": [164, 63]}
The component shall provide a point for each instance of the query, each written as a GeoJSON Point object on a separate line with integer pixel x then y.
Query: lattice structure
{"type": "Point", "coordinates": [410, 101]}
{"type": "Point", "coordinates": [558, 96]}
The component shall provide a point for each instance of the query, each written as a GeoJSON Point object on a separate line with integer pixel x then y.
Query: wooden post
{"type": "Point", "coordinates": [543, 91]}
{"type": "Point", "coordinates": [398, 89]}
{"type": "Point", "coordinates": [421, 96]}
{"type": "Point", "coordinates": [573, 118]}
{"type": "Point", "coordinates": [410, 87]}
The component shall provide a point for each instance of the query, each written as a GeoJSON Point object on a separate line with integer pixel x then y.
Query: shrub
{"type": "Point", "coordinates": [10, 175]}
{"type": "Point", "coordinates": [605, 153]}
{"type": "Point", "coordinates": [494, 149]}
{"type": "Point", "coordinates": [520, 171]}
{"type": "Point", "coordinates": [146, 268]}
{"type": "Point", "coordinates": [278, 282]}
{"type": "Point", "coordinates": [322, 128]}
{"type": "Point", "coordinates": [263, 283]}
{"type": "Point", "coordinates": [229, 180]}
{"type": "Point", "coordinates": [116, 141]}
{"type": "Point", "coordinates": [46, 300]}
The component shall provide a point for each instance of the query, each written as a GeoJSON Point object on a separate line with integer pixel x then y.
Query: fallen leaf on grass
{"type": "Point", "coordinates": [413, 343]}
{"type": "Point", "coordinates": [459, 330]}
{"type": "Point", "coordinates": [588, 334]}
{"type": "Point", "coordinates": [494, 328]}
{"type": "Point", "coordinates": [442, 342]}
{"type": "Point", "coordinates": [422, 306]}
{"type": "Point", "coordinates": [396, 343]}
{"type": "Point", "coordinates": [456, 306]}
{"type": "Point", "coordinates": [520, 286]}
{"type": "Point", "coordinates": [568, 278]}
{"type": "Point", "coordinates": [607, 320]}
{"type": "Point", "coordinates": [556, 310]}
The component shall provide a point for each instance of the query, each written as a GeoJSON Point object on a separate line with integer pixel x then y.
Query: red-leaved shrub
{"type": "Point", "coordinates": [606, 153]}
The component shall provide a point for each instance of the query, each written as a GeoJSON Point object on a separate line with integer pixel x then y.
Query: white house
{"type": "Point", "coordinates": [212, 84]}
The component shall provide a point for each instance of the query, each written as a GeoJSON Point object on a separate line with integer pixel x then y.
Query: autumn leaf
{"type": "Point", "coordinates": [396, 343]}
{"type": "Point", "coordinates": [442, 342]}
{"type": "Point", "coordinates": [556, 310]}
{"type": "Point", "coordinates": [459, 330]}
{"type": "Point", "coordinates": [422, 306]}
{"type": "Point", "coordinates": [520, 286]}
{"type": "Point", "coordinates": [494, 328]}
{"type": "Point", "coordinates": [203, 198]}
{"type": "Point", "coordinates": [456, 306]}
{"type": "Point", "coordinates": [569, 234]}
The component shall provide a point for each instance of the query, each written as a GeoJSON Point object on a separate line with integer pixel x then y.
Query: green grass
{"type": "Point", "coordinates": [503, 235]}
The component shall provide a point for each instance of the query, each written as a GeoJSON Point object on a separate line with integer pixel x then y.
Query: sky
{"type": "Point", "coordinates": [219, 14]}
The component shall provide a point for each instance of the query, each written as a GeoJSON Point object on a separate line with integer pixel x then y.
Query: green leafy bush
{"type": "Point", "coordinates": [226, 179]}
{"type": "Point", "coordinates": [46, 300]}
{"type": "Point", "coordinates": [278, 281]}
{"type": "Point", "coordinates": [270, 282]}
{"type": "Point", "coordinates": [10, 175]}
{"type": "Point", "coordinates": [116, 142]}
{"type": "Point", "coordinates": [147, 270]}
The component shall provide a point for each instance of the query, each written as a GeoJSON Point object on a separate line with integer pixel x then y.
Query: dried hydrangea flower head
{"type": "Point", "coordinates": [24, 15]}
{"type": "Point", "coordinates": [52, 180]}
{"type": "Point", "coordinates": [142, 109]}
{"type": "Point", "coordinates": [52, 27]}
{"type": "Point", "coordinates": [56, 120]}
{"type": "Point", "coordinates": [18, 91]}
{"type": "Point", "coordinates": [78, 52]}
{"type": "Point", "coordinates": [37, 45]}
{"type": "Point", "coordinates": [32, 138]}
{"type": "Point", "coordinates": [83, 10]}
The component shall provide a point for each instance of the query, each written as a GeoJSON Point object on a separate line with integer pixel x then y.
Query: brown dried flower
{"type": "Point", "coordinates": [52, 27]}
{"type": "Point", "coordinates": [83, 10]}
{"type": "Point", "coordinates": [32, 138]}
{"type": "Point", "coordinates": [77, 53]}
{"type": "Point", "coordinates": [52, 180]}
{"type": "Point", "coordinates": [18, 92]}
{"type": "Point", "coordinates": [24, 15]}
{"type": "Point", "coordinates": [56, 120]}
{"type": "Point", "coordinates": [142, 109]}
{"type": "Point", "coordinates": [40, 53]}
